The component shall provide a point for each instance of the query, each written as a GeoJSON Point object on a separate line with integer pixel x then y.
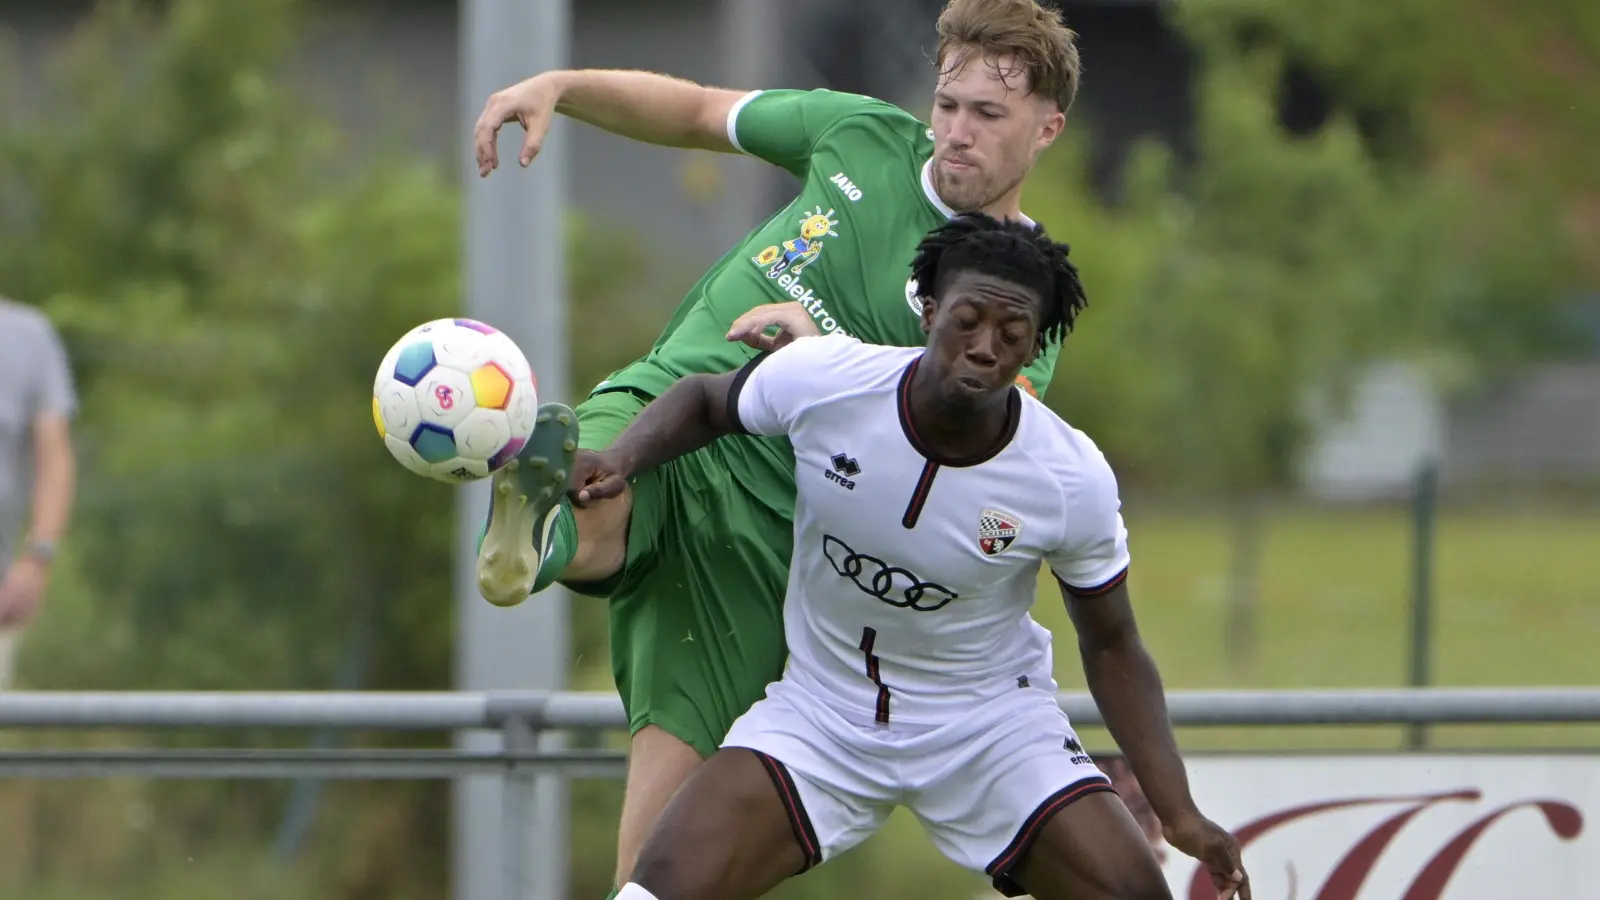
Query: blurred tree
{"type": "Point", "coordinates": [228, 279]}
{"type": "Point", "coordinates": [227, 282]}
{"type": "Point", "coordinates": [1282, 262]}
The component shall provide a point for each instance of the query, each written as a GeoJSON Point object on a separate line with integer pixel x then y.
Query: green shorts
{"type": "Point", "coordinates": [696, 614]}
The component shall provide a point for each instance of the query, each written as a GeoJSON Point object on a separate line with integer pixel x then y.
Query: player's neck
{"type": "Point", "coordinates": [1007, 206]}
{"type": "Point", "coordinates": [951, 431]}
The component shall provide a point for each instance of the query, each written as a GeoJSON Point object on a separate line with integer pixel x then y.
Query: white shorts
{"type": "Point", "coordinates": [982, 787]}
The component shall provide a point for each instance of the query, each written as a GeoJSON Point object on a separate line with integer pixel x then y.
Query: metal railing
{"type": "Point", "coordinates": [529, 771]}
{"type": "Point", "coordinates": [520, 716]}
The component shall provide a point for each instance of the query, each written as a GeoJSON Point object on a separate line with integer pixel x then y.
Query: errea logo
{"type": "Point", "coordinates": [844, 471]}
{"type": "Point", "coordinates": [843, 182]}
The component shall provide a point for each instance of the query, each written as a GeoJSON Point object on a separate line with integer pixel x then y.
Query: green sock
{"type": "Point", "coordinates": [614, 892]}
{"type": "Point", "coordinates": [563, 547]}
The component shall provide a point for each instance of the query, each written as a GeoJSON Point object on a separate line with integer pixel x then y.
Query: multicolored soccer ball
{"type": "Point", "coordinates": [454, 400]}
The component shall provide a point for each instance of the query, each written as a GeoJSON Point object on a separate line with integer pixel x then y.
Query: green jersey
{"type": "Point", "coordinates": [843, 248]}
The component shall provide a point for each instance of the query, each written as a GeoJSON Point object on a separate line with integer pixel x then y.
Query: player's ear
{"type": "Point", "coordinates": [1052, 121]}
{"type": "Point", "coordinates": [928, 304]}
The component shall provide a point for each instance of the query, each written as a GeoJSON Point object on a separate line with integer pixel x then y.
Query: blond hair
{"type": "Point", "coordinates": [1034, 35]}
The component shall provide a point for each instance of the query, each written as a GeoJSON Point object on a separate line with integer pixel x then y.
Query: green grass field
{"type": "Point", "coordinates": [1517, 603]}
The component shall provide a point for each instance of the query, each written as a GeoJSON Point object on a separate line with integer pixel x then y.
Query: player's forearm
{"type": "Point", "coordinates": [55, 477]}
{"type": "Point", "coordinates": [682, 420]}
{"type": "Point", "coordinates": [1126, 686]}
{"type": "Point", "coordinates": [644, 106]}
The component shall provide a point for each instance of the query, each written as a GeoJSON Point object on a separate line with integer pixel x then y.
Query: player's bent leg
{"type": "Point", "coordinates": [601, 547]}
{"type": "Point", "coordinates": [658, 764]}
{"type": "Point", "coordinates": [1091, 849]}
{"type": "Point", "coordinates": [729, 834]}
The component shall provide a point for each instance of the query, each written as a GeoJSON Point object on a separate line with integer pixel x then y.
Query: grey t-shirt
{"type": "Point", "coordinates": [35, 379]}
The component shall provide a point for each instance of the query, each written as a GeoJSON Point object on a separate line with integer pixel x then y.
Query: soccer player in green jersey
{"type": "Point", "coordinates": [694, 558]}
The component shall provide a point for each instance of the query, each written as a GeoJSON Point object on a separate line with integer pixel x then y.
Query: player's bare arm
{"type": "Point", "coordinates": [1126, 686]}
{"type": "Point", "coordinates": [686, 417]}
{"type": "Point", "coordinates": [644, 106]}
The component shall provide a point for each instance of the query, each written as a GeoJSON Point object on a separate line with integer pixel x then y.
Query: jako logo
{"type": "Point", "coordinates": [848, 186]}
{"type": "Point", "coordinates": [1351, 871]}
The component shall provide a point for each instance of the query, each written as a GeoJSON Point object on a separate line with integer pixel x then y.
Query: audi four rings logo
{"type": "Point", "coordinates": [891, 584]}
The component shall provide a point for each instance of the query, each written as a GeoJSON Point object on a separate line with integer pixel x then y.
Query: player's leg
{"type": "Point", "coordinates": [1090, 848]}
{"type": "Point", "coordinates": [534, 536]}
{"type": "Point", "coordinates": [697, 627]}
{"type": "Point", "coordinates": [658, 765]}
{"type": "Point", "coordinates": [726, 834]}
{"type": "Point", "coordinates": [1024, 804]}
{"type": "Point", "coordinates": [783, 796]}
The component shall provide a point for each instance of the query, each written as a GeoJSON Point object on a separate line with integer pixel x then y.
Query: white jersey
{"type": "Point", "coordinates": [912, 574]}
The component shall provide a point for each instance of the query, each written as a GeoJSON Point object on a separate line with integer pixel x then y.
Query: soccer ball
{"type": "Point", "coordinates": [454, 400]}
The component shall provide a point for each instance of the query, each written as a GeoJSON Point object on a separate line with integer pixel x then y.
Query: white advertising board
{"type": "Point", "coordinates": [1426, 826]}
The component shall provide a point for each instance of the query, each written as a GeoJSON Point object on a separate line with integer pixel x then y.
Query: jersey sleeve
{"type": "Point", "coordinates": [784, 126]}
{"type": "Point", "coordinates": [53, 391]}
{"type": "Point", "coordinates": [1092, 557]}
{"type": "Point", "coordinates": [59, 395]}
{"type": "Point", "coordinates": [772, 389]}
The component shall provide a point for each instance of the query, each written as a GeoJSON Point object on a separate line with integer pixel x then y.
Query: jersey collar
{"type": "Point", "coordinates": [938, 202]}
{"type": "Point", "coordinates": [903, 404]}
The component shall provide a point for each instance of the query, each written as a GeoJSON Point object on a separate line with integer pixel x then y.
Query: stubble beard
{"type": "Point", "coordinates": [975, 195]}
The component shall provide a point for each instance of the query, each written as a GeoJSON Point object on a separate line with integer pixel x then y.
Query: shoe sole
{"type": "Point", "coordinates": [522, 495]}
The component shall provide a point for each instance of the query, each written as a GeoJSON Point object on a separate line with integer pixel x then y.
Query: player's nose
{"type": "Point", "coordinates": [980, 349]}
{"type": "Point", "coordinates": [959, 135]}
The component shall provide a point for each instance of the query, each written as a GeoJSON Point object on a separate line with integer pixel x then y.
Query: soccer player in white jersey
{"type": "Point", "coordinates": [931, 489]}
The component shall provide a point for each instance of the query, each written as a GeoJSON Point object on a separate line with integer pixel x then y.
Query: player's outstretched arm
{"type": "Point", "coordinates": [687, 416]}
{"type": "Point", "coordinates": [1126, 686]}
{"type": "Point", "coordinates": [645, 106]}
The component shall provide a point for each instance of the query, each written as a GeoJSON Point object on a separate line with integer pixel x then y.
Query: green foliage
{"type": "Point", "coordinates": [1222, 294]}
{"type": "Point", "coordinates": [227, 281]}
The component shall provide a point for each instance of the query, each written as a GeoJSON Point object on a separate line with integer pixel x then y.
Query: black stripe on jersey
{"type": "Point", "coordinates": [737, 388]}
{"type": "Point", "coordinates": [869, 637]}
{"type": "Point", "coordinates": [919, 496]}
{"type": "Point", "coordinates": [804, 833]}
{"type": "Point", "coordinates": [1104, 587]}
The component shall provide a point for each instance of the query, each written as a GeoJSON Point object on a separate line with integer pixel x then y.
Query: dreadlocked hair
{"type": "Point", "coordinates": [1019, 253]}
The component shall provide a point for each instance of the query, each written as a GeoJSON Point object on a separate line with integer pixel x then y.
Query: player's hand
{"type": "Point", "coordinates": [595, 477]}
{"type": "Point", "coordinates": [529, 103]}
{"type": "Point", "coordinates": [790, 318]}
{"type": "Point", "coordinates": [21, 591]}
{"type": "Point", "coordinates": [1216, 849]}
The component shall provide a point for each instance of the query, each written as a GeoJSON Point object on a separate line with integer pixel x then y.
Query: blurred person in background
{"type": "Point", "coordinates": [37, 469]}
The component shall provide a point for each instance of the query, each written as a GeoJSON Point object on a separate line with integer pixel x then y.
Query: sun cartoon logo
{"type": "Point", "coordinates": [795, 254]}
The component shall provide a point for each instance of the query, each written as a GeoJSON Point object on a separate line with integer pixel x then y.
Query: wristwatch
{"type": "Point", "coordinates": [43, 551]}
